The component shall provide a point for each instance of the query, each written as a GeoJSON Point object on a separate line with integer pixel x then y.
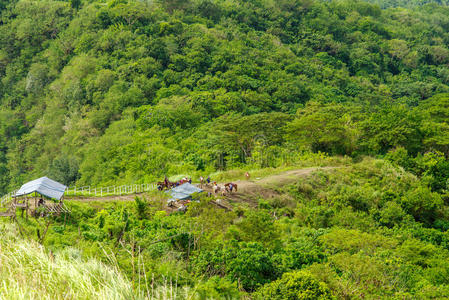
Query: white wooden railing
{"type": "Point", "coordinates": [113, 190]}
{"type": "Point", "coordinates": [90, 191]}
{"type": "Point", "coordinates": [7, 198]}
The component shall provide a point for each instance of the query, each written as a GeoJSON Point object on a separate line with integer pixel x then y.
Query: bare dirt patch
{"type": "Point", "coordinates": [250, 191]}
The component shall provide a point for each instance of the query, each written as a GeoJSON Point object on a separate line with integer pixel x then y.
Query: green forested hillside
{"type": "Point", "coordinates": [126, 91]}
{"type": "Point", "coordinates": [114, 92]}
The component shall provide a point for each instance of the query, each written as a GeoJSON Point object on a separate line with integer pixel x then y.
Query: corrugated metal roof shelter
{"type": "Point", "coordinates": [183, 191]}
{"type": "Point", "coordinates": [44, 186]}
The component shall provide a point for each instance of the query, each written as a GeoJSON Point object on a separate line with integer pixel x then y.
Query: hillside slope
{"type": "Point", "coordinates": [362, 230]}
{"type": "Point", "coordinates": [100, 93]}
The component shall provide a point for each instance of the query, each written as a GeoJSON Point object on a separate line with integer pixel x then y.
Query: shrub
{"type": "Point", "coordinates": [217, 288]}
{"type": "Point", "coordinates": [294, 286]}
{"type": "Point", "coordinates": [422, 204]}
{"type": "Point", "coordinates": [391, 214]}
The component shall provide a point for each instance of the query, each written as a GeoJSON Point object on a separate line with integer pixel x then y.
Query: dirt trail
{"type": "Point", "coordinates": [250, 191]}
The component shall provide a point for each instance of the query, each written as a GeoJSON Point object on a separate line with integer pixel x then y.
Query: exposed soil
{"type": "Point", "coordinates": [248, 191]}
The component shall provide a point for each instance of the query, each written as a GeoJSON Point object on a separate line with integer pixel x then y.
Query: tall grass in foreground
{"type": "Point", "coordinates": [28, 272]}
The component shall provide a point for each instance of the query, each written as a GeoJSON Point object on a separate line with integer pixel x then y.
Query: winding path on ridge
{"type": "Point", "coordinates": [249, 191]}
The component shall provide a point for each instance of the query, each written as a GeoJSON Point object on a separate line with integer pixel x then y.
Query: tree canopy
{"type": "Point", "coordinates": [90, 80]}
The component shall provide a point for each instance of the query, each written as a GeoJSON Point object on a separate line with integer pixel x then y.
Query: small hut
{"type": "Point", "coordinates": [39, 195]}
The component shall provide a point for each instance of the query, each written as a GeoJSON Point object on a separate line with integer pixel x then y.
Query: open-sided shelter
{"type": "Point", "coordinates": [45, 187]}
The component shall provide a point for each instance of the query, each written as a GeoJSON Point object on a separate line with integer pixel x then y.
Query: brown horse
{"type": "Point", "coordinates": [165, 185]}
{"type": "Point", "coordinates": [230, 186]}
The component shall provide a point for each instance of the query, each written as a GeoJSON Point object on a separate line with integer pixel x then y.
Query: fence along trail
{"type": "Point", "coordinates": [90, 191]}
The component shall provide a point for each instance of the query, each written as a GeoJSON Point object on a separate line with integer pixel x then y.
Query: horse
{"type": "Point", "coordinates": [230, 186]}
{"type": "Point", "coordinates": [163, 185]}
{"type": "Point", "coordinates": [171, 184]}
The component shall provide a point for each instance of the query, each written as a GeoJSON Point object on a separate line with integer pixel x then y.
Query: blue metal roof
{"type": "Point", "coordinates": [44, 186]}
{"type": "Point", "coordinates": [183, 191]}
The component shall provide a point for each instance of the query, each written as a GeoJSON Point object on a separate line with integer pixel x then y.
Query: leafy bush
{"type": "Point", "coordinates": [293, 286]}
{"type": "Point", "coordinates": [422, 203]}
{"type": "Point", "coordinates": [217, 288]}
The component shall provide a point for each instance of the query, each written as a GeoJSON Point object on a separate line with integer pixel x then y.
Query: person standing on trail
{"type": "Point", "coordinates": [216, 188]}
{"type": "Point", "coordinates": [247, 176]}
{"type": "Point", "coordinates": [208, 179]}
{"type": "Point", "coordinates": [201, 181]}
{"type": "Point", "coordinates": [190, 180]}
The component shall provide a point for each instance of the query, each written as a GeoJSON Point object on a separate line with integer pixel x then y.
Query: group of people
{"type": "Point", "coordinates": [228, 187]}
{"type": "Point", "coordinates": [202, 180]}
{"type": "Point", "coordinates": [184, 180]}
{"type": "Point", "coordinates": [167, 184]}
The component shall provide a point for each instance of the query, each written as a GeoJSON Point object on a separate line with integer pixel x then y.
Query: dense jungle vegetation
{"type": "Point", "coordinates": [121, 92]}
{"type": "Point", "coordinates": [127, 91]}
